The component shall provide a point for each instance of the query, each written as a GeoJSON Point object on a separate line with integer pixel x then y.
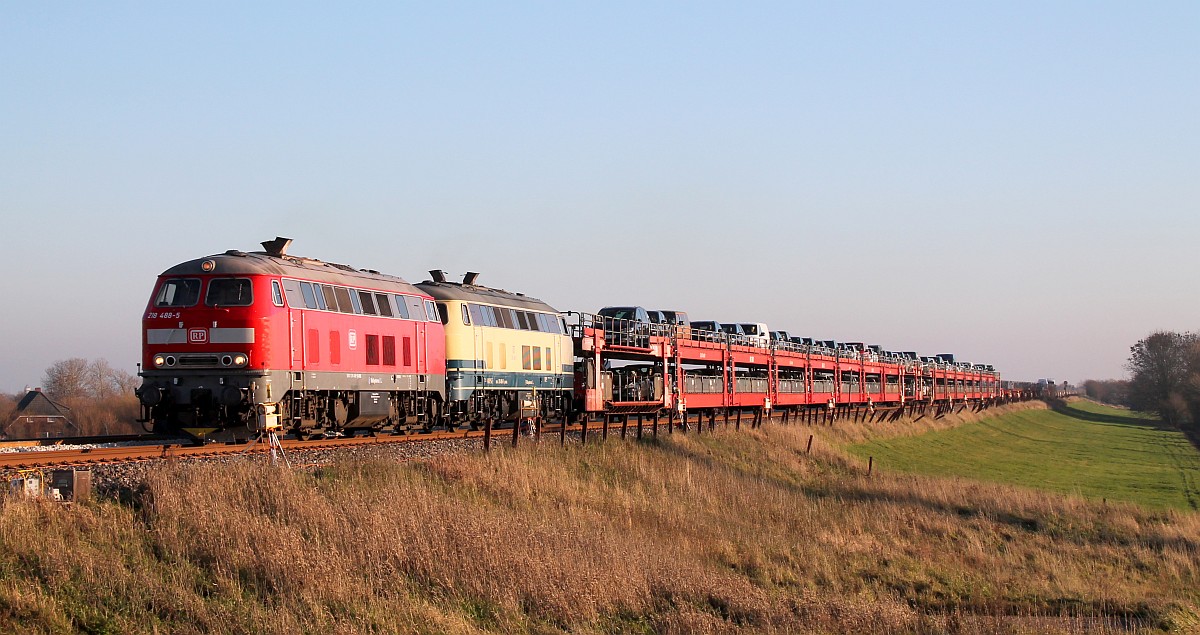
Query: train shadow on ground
{"type": "Point", "coordinates": [1131, 419]}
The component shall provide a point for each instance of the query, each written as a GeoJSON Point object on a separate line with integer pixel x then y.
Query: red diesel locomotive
{"type": "Point", "coordinates": [246, 340]}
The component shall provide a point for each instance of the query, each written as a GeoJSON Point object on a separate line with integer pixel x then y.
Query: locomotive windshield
{"type": "Point", "coordinates": [179, 292]}
{"type": "Point", "coordinates": [229, 292]}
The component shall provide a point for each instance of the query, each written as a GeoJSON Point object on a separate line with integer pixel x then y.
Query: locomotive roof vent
{"type": "Point", "coordinates": [471, 277]}
{"type": "Point", "coordinates": [277, 247]}
{"type": "Point", "coordinates": [438, 275]}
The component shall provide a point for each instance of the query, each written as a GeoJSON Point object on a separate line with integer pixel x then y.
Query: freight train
{"type": "Point", "coordinates": [239, 341]}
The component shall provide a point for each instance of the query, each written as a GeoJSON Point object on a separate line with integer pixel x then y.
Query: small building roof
{"type": "Point", "coordinates": [35, 403]}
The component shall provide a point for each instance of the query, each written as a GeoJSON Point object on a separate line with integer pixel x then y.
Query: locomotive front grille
{"type": "Point", "coordinates": [194, 360]}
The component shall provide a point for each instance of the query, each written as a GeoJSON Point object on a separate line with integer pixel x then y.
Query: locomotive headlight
{"type": "Point", "coordinates": [239, 360]}
{"type": "Point", "coordinates": [208, 265]}
{"type": "Point", "coordinates": [159, 360]}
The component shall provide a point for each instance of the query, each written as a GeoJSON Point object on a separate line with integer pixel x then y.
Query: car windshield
{"type": "Point", "coordinates": [619, 314]}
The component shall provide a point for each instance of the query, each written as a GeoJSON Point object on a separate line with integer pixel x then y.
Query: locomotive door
{"type": "Point", "coordinates": [479, 360]}
{"type": "Point", "coordinates": [296, 335]}
{"type": "Point", "coordinates": [422, 366]}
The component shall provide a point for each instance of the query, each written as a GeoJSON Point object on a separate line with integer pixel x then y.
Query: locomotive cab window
{"type": "Point", "coordinates": [276, 293]}
{"type": "Point", "coordinates": [432, 312]}
{"type": "Point", "coordinates": [229, 292]}
{"type": "Point", "coordinates": [178, 292]}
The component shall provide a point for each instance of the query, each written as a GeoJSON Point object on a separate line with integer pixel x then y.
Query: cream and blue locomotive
{"type": "Point", "coordinates": [509, 357]}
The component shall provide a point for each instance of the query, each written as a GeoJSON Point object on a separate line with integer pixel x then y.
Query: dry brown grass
{"type": "Point", "coordinates": [724, 532]}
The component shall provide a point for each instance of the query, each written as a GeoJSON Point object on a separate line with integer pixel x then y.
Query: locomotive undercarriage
{"type": "Point", "coordinates": [325, 413]}
{"type": "Point", "coordinates": [508, 407]}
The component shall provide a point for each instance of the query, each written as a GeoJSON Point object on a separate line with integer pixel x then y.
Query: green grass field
{"type": "Point", "coordinates": [1084, 448]}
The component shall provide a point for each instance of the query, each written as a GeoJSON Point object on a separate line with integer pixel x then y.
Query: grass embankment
{"type": "Point", "coordinates": [733, 531]}
{"type": "Point", "coordinates": [1078, 448]}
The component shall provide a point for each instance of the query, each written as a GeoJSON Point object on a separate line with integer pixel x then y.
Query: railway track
{"type": "Point", "coordinates": [618, 424]}
{"type": "Point", "coordinates": [78, 457]}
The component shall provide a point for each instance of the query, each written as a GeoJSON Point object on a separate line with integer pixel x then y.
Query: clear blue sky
{"type": "Point", "coordinates": [1014, 182]}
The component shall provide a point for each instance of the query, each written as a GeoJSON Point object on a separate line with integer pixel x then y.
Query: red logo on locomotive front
{"type": "Point", "coordinates": [198, 336]}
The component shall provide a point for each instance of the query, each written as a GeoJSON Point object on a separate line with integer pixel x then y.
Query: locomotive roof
{"type": "Point", "coordinates": [234, 262]}
{"type": "Point", "coordinates": [488, 295]}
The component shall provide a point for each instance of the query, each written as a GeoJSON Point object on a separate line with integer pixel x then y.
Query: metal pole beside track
{"type": "Point", "coordinates": [487, 434]}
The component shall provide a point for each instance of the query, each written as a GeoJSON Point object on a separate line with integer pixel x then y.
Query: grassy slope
{"type": "Point", "coordinates": [733, 531]}
{"type": "Point", "coordinates": [1083, 448]}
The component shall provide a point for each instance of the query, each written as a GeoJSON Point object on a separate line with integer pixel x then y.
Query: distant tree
{"type": "Point", "coordinates": [8, 403]}
{"type": "Point", "coordinates": [104, 381]}
{"type": "Point", "coordinates": [78, 378]}
{"type": "Point", "coordinates": [68, 378]}
{"type": "Point", "coordinates": [1159, 371]}
{"type": "Point", "coordinates": [1111, 391]}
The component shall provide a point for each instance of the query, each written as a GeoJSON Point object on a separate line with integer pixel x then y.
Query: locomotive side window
{"type": "Point", "coordinates": [476, 315]}
{"type": "Point", "coordinates": [489, 315]}
{"type": "Point", "coordinates": [443, 313]}
{"type": "Point", "coordinates": [329, 298]}
{"type": "Point", "coordinates": [354, 301]}
{"type": "Point", "coordinates": [229, 292]}
{"type": "Point", "coordinates": [179, 292]}
{"type": "Point", "coordinates": [343, 300]}
{"type": "Point", "coordinates": [310, 299]}
{"type": "Point", "coordinates": [276, 293]}
{"type": "Point", "coordinates": [294, 294]}
{"type": "Point", "coordinates": [541, 322]}
{"type": "Point", "coordinates": [372, 350]}
{"type": "Point", "coordinates": [432, 313]}
{"type": "Point", "coordinates": [401, 307]}
{"type": "Point", "coordinates": [502, 316]}
{"type": "Point", "coordinates": [389, 350]}
{"type": "Point", "coordinates": [367, 300]}
{"type": "Point", "coordinates": [466, 315]}
{"type": "Point", "coordinates": [385, 307]}
{"type": "Point", "coordinates": [416, 310]}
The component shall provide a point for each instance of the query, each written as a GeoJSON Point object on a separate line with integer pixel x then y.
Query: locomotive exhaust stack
{"type": "Point", "coordinates": [277, 247]}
